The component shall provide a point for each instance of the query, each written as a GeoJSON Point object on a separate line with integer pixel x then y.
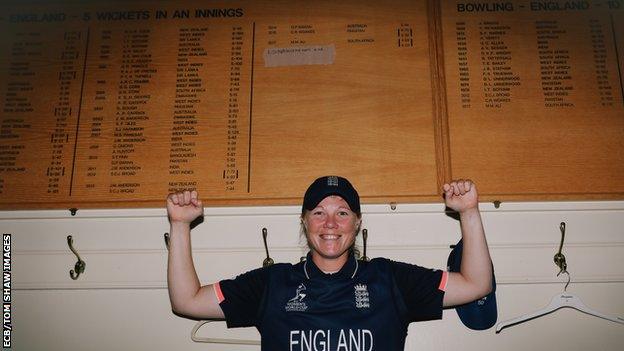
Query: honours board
{"type": "Point", "coordinates": [116, 104]}
{"type": "Point", "coordinates": [535, 97]}
{"type": "Point", "coordinates": [248, 102]}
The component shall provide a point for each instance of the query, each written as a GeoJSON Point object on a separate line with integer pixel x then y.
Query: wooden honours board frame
{"type": "Point", "coordinates": [115, 105]}
{"type": "Point", "coordinates": [535, 97]}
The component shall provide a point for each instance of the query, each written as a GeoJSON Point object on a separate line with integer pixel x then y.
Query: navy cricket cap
{"type": "Point", "coordinates": [479, 314]}
{"type": "Point", "coordinates": [331, 185]}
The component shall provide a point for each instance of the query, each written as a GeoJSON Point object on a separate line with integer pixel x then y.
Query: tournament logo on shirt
{"type": "Point", "coordinates": [361, 296]}
{"type": "Point", "coordinates": [297, 303]}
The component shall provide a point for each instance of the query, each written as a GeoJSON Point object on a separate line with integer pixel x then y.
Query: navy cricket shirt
{"type": "Point", "coordinates": [365, 306]}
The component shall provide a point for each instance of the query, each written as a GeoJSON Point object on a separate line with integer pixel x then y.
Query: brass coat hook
{"type": "Point", "coordinates": [80, 266]}
{"type": "Point", "coordinates": [364, 239]}
{"type": "Point", "coordinates": [559, 258]}
{"type": "Point", "coordinates": [268, 260]}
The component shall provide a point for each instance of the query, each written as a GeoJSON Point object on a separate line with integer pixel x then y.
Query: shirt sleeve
{"type": "Point", "coordinates": [241, 298]}
{"type": "Point", "coordinates": [422, 290]}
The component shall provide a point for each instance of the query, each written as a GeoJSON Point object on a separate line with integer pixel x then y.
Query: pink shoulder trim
{"type": "Point", "coordinates": [217, 290]}
{"type": "Point", "coordinates": [443, 281]}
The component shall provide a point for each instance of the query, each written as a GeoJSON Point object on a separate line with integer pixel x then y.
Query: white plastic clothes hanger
{"type": "Point", "coordinates": [562, 300]}
{"type": "Point", "coordinates": [196, 338]}
{"type": "Point", "coordinates": [558, 301]}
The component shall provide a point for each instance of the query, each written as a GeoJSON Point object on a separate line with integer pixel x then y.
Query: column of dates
{"type": "Point", "coordinates": [462, 62]}
{"type": "Point", "coordinates": [96, 117]}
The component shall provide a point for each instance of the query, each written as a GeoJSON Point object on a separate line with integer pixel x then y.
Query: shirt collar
{"type": "Point", "coordinates": [348, 270]}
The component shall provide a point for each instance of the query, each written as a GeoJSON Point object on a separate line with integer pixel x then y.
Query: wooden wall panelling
{"type": "Point", "coordinates": [124, 284]}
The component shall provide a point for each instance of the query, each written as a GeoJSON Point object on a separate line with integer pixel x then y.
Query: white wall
{"type": "Point", "coordinates": [121, 301]}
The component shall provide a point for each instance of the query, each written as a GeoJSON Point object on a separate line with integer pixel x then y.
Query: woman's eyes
{"type": "Point", "coordinates": [340, 213]}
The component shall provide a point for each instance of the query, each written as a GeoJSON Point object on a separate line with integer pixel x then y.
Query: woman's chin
{"type": "Point", "coordinates": [331, 254]}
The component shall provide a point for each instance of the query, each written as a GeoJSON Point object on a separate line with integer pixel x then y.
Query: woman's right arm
{"type": "Point", "coordinates": [187, 296]}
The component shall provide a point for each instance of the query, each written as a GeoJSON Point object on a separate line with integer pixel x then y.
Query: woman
{"type": "Point", "coordinates": [331, 301]}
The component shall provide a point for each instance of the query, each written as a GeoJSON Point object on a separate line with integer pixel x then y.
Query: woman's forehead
{"type": "Point", "coordinates": [334, 200]}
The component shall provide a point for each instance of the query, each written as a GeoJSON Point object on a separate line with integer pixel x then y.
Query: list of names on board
{"type": "Point", "coordinates": [119, 107]}
{"type": "Point", "coordinates": [108, 106]}
{"type": "Point", "coordinates": [170, 102]}
{"type": "Point", "coordinates": [530, 84]}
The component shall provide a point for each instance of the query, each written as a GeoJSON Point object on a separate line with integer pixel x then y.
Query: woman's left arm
{"type": "Point", "coordinates": [475, 277]}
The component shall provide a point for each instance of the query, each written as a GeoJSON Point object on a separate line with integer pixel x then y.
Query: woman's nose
{"type": "Point", "coordinates": [331, 222]}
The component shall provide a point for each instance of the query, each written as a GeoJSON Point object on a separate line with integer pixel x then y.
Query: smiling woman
{"type": "Point", "coordinates": [330, 225]}
{"type": "Point", "coordinates": [331, 293]}
{"type": "Point", "coordinates": [330, 229]}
